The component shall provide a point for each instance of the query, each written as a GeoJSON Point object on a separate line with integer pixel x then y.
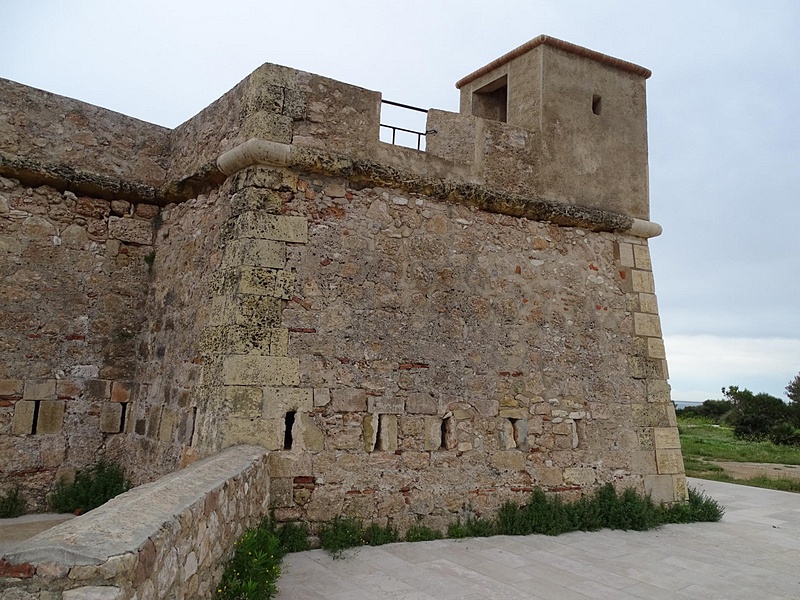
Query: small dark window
{"type": "Point", "coordinates": [35, 423]}
{"type": "Point", "coordinates": [194, 424]}
{"type": "Point", "coordinates": [287, 434]}
{"type": "Point", "coordinates": [449, 441]}
{"type": "Point", "coordinates": [597, 104]}
{"type": "Point", "coordinates": [491, 101]}
{"type": "Point", "coordinates": [122, 417]}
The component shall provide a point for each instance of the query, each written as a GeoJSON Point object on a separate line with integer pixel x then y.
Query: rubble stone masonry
{"type": "Point", "coordinates": [411, 335]}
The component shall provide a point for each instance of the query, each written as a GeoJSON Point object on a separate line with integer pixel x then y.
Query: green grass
{"type": "Point", "coordinates": [761, 481]}
{"type": "Point", "coordinates": [700, 439]}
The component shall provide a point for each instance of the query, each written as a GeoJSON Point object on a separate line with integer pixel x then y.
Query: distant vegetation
{"type": "Point", "coordinates": [754, 417]}
{"type": "Point", "coordinates": [12, 504]}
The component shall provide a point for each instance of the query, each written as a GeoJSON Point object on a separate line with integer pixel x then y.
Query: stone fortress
{"type": "Point", "coordinates": [367, 329]}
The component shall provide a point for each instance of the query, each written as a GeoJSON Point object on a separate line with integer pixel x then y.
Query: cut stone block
{"type": "Point", "coordinates": [349, 400]}
{"type": "Point", "coordinates": [11, 387]}
{"type": "Point", "coordinates": [624, 254]}
{"type": "Point", "coordinates": [244, 401]}
{"type": "Point", "coordinates": [260, 370]}
{"type": "Point", "coordinates": [23, 417]}
{"type": "Point", "coordinates": [641, 256]}
{"type": "Point", "coordinates": [642, 281]}
{"type": "Point", "coordinates": [666, 437]}
{"type": "Point", "coordinates": [265, 226]}
{"type": "Point", "coordinates": [263, 432]}
{"type": "Point", "coordinates": [646, 325]}
{"type": "Point", "coordinates": [669, 461]}
{"type": "Point", "coordinates": [655, 348]}
{"type": "Point", "coordinates": [40, 390]}
{"type": "Point", "coordinates": [120, 391]}
{"type": "Point", "coordinates": [110, 417]}
{"type": "Point", "coordinates": [51, 416]}
{"type": "Point", "coordinates": [255, 253]}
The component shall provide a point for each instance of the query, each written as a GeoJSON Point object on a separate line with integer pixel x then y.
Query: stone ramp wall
{"type": "Point", "coordinates": [166, 539]}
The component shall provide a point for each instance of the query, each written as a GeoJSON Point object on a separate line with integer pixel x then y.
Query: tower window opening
{"type": "Point", "coordinates": [287, 434]}
{"type": "Point", "coordinates": [597, 104]}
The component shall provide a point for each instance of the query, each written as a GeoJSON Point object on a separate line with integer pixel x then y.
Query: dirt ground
{"type": "Point", "coordinates": [745, 470]}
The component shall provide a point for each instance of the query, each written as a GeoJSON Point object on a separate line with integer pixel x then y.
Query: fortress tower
{"type": "Point", "coordinates": [410, 335]}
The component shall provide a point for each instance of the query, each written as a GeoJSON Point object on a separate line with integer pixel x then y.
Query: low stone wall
{"type": "Point", "coordinates": [166, 539]}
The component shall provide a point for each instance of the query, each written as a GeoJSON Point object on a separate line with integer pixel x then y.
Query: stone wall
{"type": "Point", "coordinates": [412, 334]}
{"type": "Point", "coordinates": [441, 359]}
{"type": "Point", "coordinates": [187, 255]}
{"type": "Point", "coordinates": [165, 540]}
{"type": "Point", "coordinates": [73, 282]}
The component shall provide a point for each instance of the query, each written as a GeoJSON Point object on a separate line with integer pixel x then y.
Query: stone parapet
{"type": "Point", "coordinates": [164, 540]}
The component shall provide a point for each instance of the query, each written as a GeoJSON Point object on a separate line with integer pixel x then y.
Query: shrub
{"type": "Point", "coordinates": [92, 487]}
{"type": "Point", "coordinates": [340, 534]}
{"type": "Point", "coordinates": [474, 527]}
{"type": "Point", "coordinates": [293, 537]}
{"type": "Point", "coordinates": [784, 434]}
{"type": "Point", "coordinates": [254, 568]}
{"type": "Point", "coordinates": [714, 410]}
{"type": "Point", "coordinates": [12, 504]}
{"type": "Point", "coordinates": [375, 535]}
{"type": "Point", "coordinates": [422, 533]}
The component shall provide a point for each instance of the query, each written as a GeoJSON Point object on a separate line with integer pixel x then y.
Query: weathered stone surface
{"type": "Point", "coordinates": [23, 417]}
{"type": "Point", "coordinates": [131, 231]}
{"type": "Point", "coordinates": [260, 370]}
{"type": "Point", "coordinates": [40, 390]}
{"type": "Point", "coordinates": [349, 400]}
{"type": "Point", "coordinates": [93, 592]}
{"type": "Point", "coordinates": [110, 417]}
{"type": "Point", "coordinates": [11, 387]}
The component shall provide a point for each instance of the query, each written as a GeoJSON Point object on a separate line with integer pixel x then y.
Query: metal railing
{"type": "Point", "coordinates": [395, 129]}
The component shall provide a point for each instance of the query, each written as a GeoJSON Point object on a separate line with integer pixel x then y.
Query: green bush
{"type": "Point", "coordinates": [254, 568]}
{"type": "Point", "coordinates": [784, 434]}
{"type": "Point", "coordinates": [473, 527]}
{"type": "Point", "coordinates": [340, 534]}
{"type": "Point", "coordinates": [375, 535]}
{"type": "Point", "coordinates": [293, 537]}
{"type": "Point", "coordinates": [422, 533]}
{"type": "Point", "coordinates": [92, 487]}
{"type": "Point", "coordinates": [12, 504]}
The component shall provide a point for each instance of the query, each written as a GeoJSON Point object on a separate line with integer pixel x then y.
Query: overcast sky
{"type": "Point", "coordinates": [724, 122]}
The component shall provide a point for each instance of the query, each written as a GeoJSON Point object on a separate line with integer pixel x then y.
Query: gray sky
{"type": "Point", "coordinates": [724, 122]}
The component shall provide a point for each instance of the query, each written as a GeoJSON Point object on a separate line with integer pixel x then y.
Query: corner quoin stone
{"type": "Point", "coordinates": [260, 370]}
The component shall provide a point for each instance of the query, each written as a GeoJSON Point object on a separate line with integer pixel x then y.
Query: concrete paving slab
{"type": "Point", "coordinates": [754, 552]}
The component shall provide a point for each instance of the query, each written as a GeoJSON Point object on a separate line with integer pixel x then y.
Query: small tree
{"type": "Point", "coordinates": [793, 391]}
{"type": "Point", "coordinates": [754, 415]}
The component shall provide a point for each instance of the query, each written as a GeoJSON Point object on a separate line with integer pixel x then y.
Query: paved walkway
{"type": "Point", "coordinates": [753, 554]}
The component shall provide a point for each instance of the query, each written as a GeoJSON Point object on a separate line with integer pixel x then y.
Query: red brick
{"type": "Point", "coordinates": [20, 571]}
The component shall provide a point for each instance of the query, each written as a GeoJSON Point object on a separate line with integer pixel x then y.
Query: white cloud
{"type": "Point", "coordinates": [700, 365]}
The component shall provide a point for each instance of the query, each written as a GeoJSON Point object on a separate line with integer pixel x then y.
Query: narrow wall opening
{"type": "Point", "coordinates": [35, 420]}
{"type": "Point", "coordinates": [287, 433]}
{"type": "Point", "coordinates": [491, 101]}
{"type": "Point", "coordinates": [597, 104]}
